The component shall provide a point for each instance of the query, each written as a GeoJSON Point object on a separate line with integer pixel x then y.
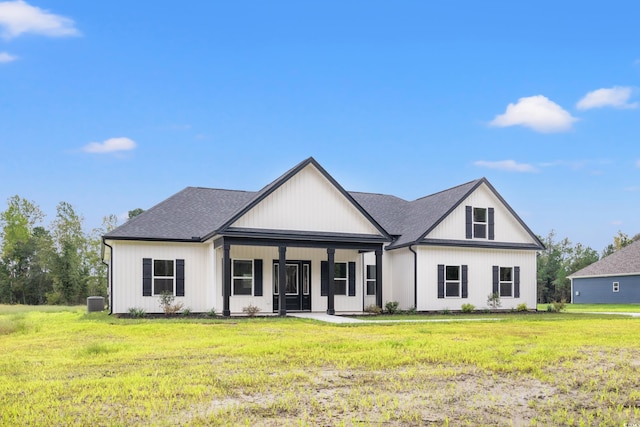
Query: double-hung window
{"type": "Point", "coordinates": [452, 281]}
{"type": "Point", "coordinates": [163, 276]}
{"type": "Point", "coordinates": [340, 278]}
{"type": "Point", "coordinates": [242, 277]}
{"type": "Point", "coordinates": [480, 223]}
{"type": "Point", "coordinates": [506, 282]}
{"type": "Point", "coordinates": [371, 279]}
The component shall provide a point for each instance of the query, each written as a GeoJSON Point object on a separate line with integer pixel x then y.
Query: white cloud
{"type": "Point", "coordinates": [616, 97]}
{"type": "Point", "coordinates": [536, 112]}
{"type": "Point", "coordinates": [111, 145]}
{"type": "Point", "coordinates": [506, 165]}
{"type": "Point", "coordinates": [18, 17]}
{"type": "Point", "coordinates": [638, 163]}
{"type": "Point", "coordinates": [6, 57]}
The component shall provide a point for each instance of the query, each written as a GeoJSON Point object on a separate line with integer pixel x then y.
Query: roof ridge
{"type": "Point", "coordinates": [474, 181]}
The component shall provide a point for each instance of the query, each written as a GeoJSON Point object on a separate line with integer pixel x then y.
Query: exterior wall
{"type": "Point", "coordinates": [368, 258]}
{"type": "Point", "coordinates": [399, 285]}
{"type": "Point", "coordinates": [507, 228]}
{"type": "Point", "coordinates": [342, 303]}
{"type": "Point", "coordinates": [308, 201]}
{"type": "Point", "coordinates": [127, 274]}
{"type": "Point", "coordinates": [599, 290]}
{"type": "Point", "coordinates": [480, 276]}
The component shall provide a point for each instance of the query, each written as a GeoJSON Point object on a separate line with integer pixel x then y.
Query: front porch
{"type": "Point", "coordinates": [254, 270]}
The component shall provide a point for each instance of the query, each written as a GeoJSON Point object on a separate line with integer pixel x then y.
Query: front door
{"type": "Point", "coordinates": [298, 286]}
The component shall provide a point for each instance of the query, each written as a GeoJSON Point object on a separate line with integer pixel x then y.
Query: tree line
{"type": "Point", "coordinates": [61, 264]}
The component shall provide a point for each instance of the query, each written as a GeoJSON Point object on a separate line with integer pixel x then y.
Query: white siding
{"type": "Point", "coordinates": [399, 284]}
{"type": "Point", "coordinates": [309, 202]}
{"type": "Point", "coordinates": [479, 262]}
{"type": "Point", "coordinates": [507, 227]}
{"type": "Point", "coordinates": [127, 274]}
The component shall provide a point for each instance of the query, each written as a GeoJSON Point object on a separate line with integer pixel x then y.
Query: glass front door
{"type": "Point", "coordinates": [298, 285]}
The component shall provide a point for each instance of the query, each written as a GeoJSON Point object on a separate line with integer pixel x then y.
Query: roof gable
{"type": "Point", "coordinates": [509, 227]}
{"type": "Point", "coordinates": [306, 198]}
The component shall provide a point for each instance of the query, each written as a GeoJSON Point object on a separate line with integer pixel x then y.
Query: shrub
{"type": "Point", "coordinates": [493, 300]}
{"type": "Point", "coordinates": [250, 310]}
{"type": "Point", "coordinates": [522, 307]}
{"type": "Point", "coordinates": [373, 309]}
{"type": "Point", "coordinates": [186, 312]}
{"type": "Point", "coordinates": [391, 307]}
{"type": "Point", "coordinates": [168, 305]}
{"type": "Point", "coordinates": [468, 308]}
{"type": "Point", "coordinates": [212, 312]}
{"type": "Point", "coordinates": [411, 310]}
{"type": "Point", "coordinates": [136, 312]}
{"type": "Point", "coordinates": [559, 306]}
{"type": "Point", "coordinates": [446, 311]}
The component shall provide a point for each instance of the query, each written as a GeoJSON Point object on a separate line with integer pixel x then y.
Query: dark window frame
{"type": "Point", "coordinates": [238, 279]}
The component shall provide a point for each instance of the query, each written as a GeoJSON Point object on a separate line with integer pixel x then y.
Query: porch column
{"type": "Point", "coordinates": [282, 280]}
{"type": "Point", "coordinates": [226, 278]}
{"type": "Point", "coordinates": [331, 276]}
{"type": "Point", "coordinates": [379, 277]}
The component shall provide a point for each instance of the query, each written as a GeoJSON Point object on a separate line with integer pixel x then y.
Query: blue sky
{"type": "Point", "coordinates": [116, 105]}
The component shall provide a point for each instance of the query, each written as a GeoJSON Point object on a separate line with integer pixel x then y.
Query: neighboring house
{"type": "Point", "coordinates": [615, 279]}
{"type": "Point", "coordinates": [303, 243]}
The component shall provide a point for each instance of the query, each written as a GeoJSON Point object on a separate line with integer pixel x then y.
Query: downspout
{"type": "Point", "coordinates": [415, 278]}
{"type": "Point", "coordinates": [110, 274]}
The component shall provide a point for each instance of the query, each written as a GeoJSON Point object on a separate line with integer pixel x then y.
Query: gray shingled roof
{"type": "Point", "coordinates": [196, 213]}
{"type": "Point", "coordinates": [192, 213]}
{"type": "Point", "coordinates": [624, 261]}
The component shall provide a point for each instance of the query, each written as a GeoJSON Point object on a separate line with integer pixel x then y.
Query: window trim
{"type": "Point", "coordinates": [616, 287]}
{"type": "Point", "coordinates": [484, 223]}
{"type": "Point", "coordinates": [501, 282]}
{"type": "Point", "coordinates": [154, 276]}
{"type": "Point", "coordinates": [448, 281]}
{"type": "Point", "coordinates": [234, 277]}
{"type": "Point", "coordinates": [344, 279]}
{"type": "Point", "coordinates": [370, 281]}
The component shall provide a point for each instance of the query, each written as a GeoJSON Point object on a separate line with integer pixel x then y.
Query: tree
{"type": "Point", "coordinates": [619, 241]}
{"type": "Point", "coordinates": [135, 212]}
{"type": "Point", "coordinates": [21, 241]}
{"type": "Point", "coordinates": [559, 260]}
{"type": "Point", "coordinates": [97, 280]}
{"type": "Point", "coordinates": [69, 270]}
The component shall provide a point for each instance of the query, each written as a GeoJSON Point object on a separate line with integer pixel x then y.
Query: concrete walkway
{"type": "Point", "coordinates": [323, 317]}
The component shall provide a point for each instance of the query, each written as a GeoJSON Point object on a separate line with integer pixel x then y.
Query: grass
{"type": "Point", "coordinates": [68, 367]}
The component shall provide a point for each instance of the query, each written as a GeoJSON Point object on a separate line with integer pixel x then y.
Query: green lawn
{"type": "Point", "coordinates": [68, 367]}
{"type": "Point", "coordinates": [628, 308]}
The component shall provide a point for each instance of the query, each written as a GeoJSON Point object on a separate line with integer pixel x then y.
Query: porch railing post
{"type": "Point", "coordinates": [282, 280]}
{"type": "Point", "coordinates": [226, 278]}
{"type": "Point", "coordinates": [331, 276]}
{"type": "Point", "coordinates": [379, 277]}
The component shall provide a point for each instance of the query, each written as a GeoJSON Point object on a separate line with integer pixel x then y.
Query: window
{"type": "Point", "coordinates": [452, 281]}
{"type": "Point", "coordinates": [163, 276]}
{"type": "Point", "coordinates": [480, 223]}
{"type": "Point", "coordinates": [291, 279]}
{"type": "Point", "coordinates": [371, 279]}
{"type": "Point", "coordinates": [506, 281]}
{"type": "Point", "coordinates": [616, 286]}
{"type": "Point", "coordinates": [305, 279]}
{"type": "Point", "coordinates": [340, 278]}
{"type": "Point", "coordinates": [242, 277]}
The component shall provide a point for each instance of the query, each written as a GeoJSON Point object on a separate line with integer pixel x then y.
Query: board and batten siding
{"type": "Point", "coordinates": [342, 303]}
{"type": "Point", "coordinates": [599, 290]}
{"type": "Point", "coordinates": [399, 286]}
{"type": "Point", "coordinates": [127, 259]}
{"type": "Point", "coordinates": [480, 276]}
{"type": "Point", "coordinates": [309, 202]}
{"type": "Point", "coordinates": [507, 228]}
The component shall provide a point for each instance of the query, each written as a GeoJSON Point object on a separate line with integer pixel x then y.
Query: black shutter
{"type": "Point", "coordinates": [496, 278]}
{"type": "Point", "coordinates": [491, 225]}
{"type": "Point", "coordinates": [516, 282]}
{"type": "Point", "coordinates": [468, 218]}
{"type": "Point", "coordinates": [440, 280]}
{"type": "Point", "coordinates": [257, 277]}
{"type": "Point", "coordinates": [146, 277]}
{"type": "Point", "coordinates": [465, 287]}
{"type": "Point", "coordinates": [179, 277]}
{"type": "Point", "coordinates": [352, 279]}
{"type": "Point", "coordinates": [324, 278]}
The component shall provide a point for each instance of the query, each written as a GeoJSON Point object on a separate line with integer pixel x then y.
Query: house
{"type": "Point", "coordinates": [615, 279]}
{"type": "Point", "coordinates": [304, 243]}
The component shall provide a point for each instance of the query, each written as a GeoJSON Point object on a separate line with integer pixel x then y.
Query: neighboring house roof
{"type": "Point", "coordinates": [196, 214]}
{"type": "Point", "coordinates": [622, 262]}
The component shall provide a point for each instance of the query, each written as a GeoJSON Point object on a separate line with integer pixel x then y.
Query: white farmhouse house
{"type": "Point", "coordinates": [303, 243]}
